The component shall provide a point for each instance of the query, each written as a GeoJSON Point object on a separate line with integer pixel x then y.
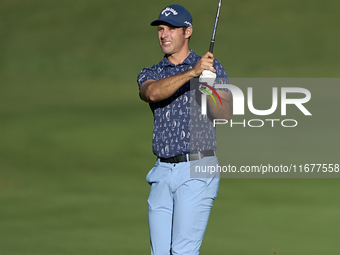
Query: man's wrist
{"type": "Point", "coordinates": [191, 74]}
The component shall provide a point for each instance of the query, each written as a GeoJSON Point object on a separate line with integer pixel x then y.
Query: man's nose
{"type": "Point", "coordinates": [165, 33]}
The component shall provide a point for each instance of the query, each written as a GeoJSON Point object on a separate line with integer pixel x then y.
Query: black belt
{"type": "Point", "coordinates": [192, 156]}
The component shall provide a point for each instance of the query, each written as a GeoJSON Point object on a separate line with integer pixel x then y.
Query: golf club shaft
{"type": "Point", "coordinates": [212, 42]}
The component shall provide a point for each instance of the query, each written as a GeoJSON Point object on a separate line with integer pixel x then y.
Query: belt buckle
{"type": "Point", "coordinates": [174, 160]}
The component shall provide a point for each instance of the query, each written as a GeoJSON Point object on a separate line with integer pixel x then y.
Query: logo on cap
{"type": "Point", "coordinates": [188, 23]}
{"type": "Point", "coordinates": [168, 13]}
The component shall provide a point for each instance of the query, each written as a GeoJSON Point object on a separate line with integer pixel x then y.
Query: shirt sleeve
{"type": "Point", "coordinates": [146, 74]}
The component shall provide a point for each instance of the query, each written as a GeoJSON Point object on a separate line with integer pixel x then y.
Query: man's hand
{"type": "Point", "coordinates": [205, 63]}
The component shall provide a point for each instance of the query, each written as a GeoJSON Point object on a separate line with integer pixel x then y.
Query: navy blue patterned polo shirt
{"type": "Point", "coordinates": [179, 128]}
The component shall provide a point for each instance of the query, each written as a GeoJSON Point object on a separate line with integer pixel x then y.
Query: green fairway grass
{"type": "Point", "coordinates": [75, 138]}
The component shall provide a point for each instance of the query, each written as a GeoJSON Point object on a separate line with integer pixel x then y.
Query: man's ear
{"type": "Point", "coordinates": [188, 32]}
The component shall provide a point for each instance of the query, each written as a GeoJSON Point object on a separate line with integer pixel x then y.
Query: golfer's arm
{"type": "Point", "coordinates": [153, 91]}
{"type": "Point", "coordinates": [219, 111]}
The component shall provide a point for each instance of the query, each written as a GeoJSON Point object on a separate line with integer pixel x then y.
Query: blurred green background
{"type": "Point", "coordinates": [75, 139]}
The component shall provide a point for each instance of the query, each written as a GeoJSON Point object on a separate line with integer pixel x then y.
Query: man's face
{"type": "Point", "coordinates": [172, 39]}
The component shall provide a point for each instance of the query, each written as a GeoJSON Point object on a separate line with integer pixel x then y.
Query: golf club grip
{"type": "Point", "coordinates": [211, 48]}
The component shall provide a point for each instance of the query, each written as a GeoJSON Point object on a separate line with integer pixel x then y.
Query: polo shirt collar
{"type": "Point", "coordinates": [187, 61]}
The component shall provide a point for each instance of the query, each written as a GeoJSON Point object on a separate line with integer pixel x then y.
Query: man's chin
{"type": "Point", "coordinates": [166, 50]}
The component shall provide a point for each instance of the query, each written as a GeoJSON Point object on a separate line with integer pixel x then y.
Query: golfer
{"type": "Point", "coordinates": [179, 203]}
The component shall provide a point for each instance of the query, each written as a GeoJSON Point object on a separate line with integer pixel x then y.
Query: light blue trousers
{"type": "Point", "coordinates": [179, 207]}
